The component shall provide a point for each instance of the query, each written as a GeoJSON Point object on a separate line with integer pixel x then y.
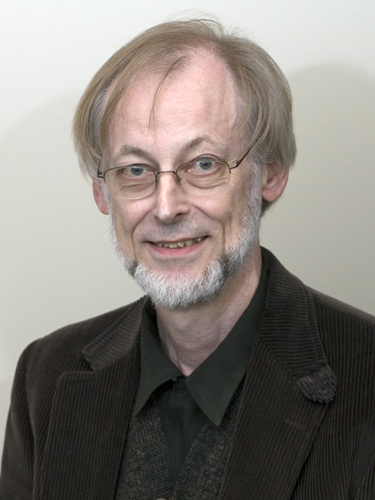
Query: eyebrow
{"type": "Point", "coordinates": [127, 149]}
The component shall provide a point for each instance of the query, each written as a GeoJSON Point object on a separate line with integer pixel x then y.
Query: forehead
{"type": "Point", "coordinates": [199, 97]}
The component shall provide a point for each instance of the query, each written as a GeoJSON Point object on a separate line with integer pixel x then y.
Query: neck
{"type": "Point", "coordinates": [190, 336]}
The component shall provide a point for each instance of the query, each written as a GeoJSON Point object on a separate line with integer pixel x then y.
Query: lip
{"type": "Point", "coordinates": [180, 243]}
{"type": "Point", "coordinates": [176, 252]}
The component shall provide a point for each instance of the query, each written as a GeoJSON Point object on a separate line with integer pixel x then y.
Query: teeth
{"type": "Point", "coordinates": [180, 244]}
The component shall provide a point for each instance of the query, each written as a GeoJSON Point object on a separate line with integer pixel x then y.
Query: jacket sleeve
{"type": "Point", "coordinates": [16, 480]}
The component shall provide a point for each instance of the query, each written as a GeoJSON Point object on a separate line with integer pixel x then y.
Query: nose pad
{"type": "Point", "coordinates": [177, 178]}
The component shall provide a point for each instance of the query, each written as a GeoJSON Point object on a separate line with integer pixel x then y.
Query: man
{"type": "Point", "coordinates": [231, 379]}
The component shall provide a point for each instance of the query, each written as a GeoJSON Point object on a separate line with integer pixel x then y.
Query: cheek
{"type": "Point", "coordinates": [236, 204]}
{"type": "Point", "coordinates": [127, 217]}
{"type": "Point", "coordinates": [239, 203]}
{"type": "Point", "coordinates": [226, 215]}
{"type": "Point", "coordinates": [122, 224]}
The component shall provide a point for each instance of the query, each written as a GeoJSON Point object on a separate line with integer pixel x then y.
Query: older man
{"type": "Point", "coordinates": [231, 379]}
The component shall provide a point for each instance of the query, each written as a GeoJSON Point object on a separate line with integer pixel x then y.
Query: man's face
{"type": "Point", "coordinates": [171, 233]}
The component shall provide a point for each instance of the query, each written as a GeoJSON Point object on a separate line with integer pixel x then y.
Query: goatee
{"type": "Point", "coordinates": [185, 291]}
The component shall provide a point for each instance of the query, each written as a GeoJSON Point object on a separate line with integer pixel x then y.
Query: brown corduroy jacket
{"type": "Point", "coordinates": [305, 429]}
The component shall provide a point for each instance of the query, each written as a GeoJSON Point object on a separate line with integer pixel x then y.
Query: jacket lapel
{"type": "Point", "coordinates": [287, 390]}
{"type": "Point", "coordinates": [90, 417]}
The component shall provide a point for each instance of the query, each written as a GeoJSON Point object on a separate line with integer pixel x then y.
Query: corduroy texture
{"type": "Point", "coordinates": [74, 391]}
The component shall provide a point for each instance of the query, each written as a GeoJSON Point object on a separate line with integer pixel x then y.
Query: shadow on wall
{"type": "Point", "coordinates": [334, 111]}
{"type": "Point", "coordinates": [57, 267]}
{"type": "Point", "coordinates": [324, 228]}
{"type": "Point", "coordinates": [33, 154]}
{"type": "Point", "coordinates": [31, 151]}
{"type": "Point", "coordinates": [54, 232]}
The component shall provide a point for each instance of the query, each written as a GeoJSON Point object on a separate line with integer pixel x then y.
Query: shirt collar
{"type": "Point", "coordinates": [156, 367]}
{"type": "Point", "coordinates": [213, 384]}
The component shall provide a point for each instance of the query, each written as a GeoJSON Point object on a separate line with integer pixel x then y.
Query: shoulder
{"type": "Point", "coordinates": [348, 335]}
{"type": "Point", "coordinates": [343, 323]}
{"type": "Point", "coordinates": [46, 360]}
{"type": "Point", "coordinates": [64, 349]}
{"type": "Point", "coordinates": [77, 335]}
{"type": "Point", "coordinates": [306, 319]}
{"type": "Point", "coordinates": [326, 304]}
{"type": "Point", "coordinates": [290, 290]}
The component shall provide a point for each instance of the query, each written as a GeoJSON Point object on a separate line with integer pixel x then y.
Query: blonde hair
{"type": "Point", "coordinates": [264, 97]}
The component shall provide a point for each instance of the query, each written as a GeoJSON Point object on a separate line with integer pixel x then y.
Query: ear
{"type": "Point", "coordinates": [99, 196]}
{"type": "Point", "coordinates": [274, 180]}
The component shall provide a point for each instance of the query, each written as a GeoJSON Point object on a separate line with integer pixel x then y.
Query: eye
{"type": "Point", "coordinates": [205, 164]}
{"type": "Point", "coordinates": [132, 171]}
{"type": "Point", "coordinates": [137, 170]}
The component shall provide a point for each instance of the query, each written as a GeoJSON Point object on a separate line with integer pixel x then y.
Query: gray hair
{"type": "Point", "coordinates": [264, 98]}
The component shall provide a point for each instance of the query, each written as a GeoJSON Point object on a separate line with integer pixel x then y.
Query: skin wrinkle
{"type": "Point", "coordinates": [129, 150]}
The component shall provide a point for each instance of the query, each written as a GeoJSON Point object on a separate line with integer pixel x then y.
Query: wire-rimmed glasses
{"type": "Point", "coordinates": [205, 175]}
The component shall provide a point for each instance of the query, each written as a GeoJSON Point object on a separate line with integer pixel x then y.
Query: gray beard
{"type": "Point", "coordinates": [183, 292]}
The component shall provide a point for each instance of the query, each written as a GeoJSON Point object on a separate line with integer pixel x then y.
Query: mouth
{"type": "Point", "coordinates": [180, 244]}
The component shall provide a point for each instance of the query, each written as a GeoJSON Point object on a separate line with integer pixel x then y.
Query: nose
{"type": "Point", "coordinates": [171, 200]}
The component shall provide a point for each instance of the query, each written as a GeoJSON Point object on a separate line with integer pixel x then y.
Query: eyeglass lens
{"type": "Point", "coordinates": [198, 177]}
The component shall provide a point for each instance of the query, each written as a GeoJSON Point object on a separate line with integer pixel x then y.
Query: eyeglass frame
{"type": "Point", "coordinates": [101, 175]}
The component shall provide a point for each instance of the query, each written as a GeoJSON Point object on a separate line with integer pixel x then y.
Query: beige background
{"type": "Point", "coordinates": [57, 265]}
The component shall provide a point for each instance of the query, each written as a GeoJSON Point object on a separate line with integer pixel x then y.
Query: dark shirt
{"type": "Point", "coordinates": [185, 403]}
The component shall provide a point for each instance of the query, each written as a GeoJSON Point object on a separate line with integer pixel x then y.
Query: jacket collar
{"type": "Point", "coordinates": [290, 331]}
{"type": "Point", "coordinates": [117, 338]}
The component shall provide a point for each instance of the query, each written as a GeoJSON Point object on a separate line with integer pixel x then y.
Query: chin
{"type": "Point", "coordinates": [172, 290]}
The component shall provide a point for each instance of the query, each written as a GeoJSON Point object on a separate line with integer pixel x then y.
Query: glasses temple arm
{"type": "Point", "coordinates": [99, 172]}
{"type": "Point", "coordinates": [238, 162]}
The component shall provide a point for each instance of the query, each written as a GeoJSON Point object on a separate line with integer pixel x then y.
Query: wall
{"type": "Point", "coordinates": [57, 265]}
